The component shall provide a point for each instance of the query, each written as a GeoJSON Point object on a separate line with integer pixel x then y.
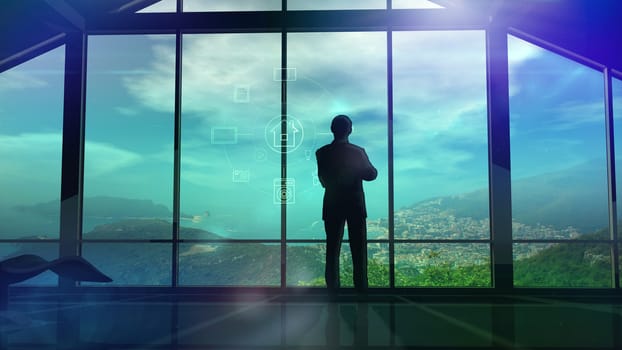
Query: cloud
{"type": "Point", "coordinates": [435, 158]}
{"type": "Point", "coordinates": [30, 167]}
{"type": "Point", "coordinates": [573, 114]}
{"type": "Point", "coordinates": [30, 164]}
{"type": "Point", "coordinates": [127, 111]}
{"type": "Point", "coordinates": [103, 158]}
{"type": "Point", "coordinates": [30, 156]}
{"type": "Point", "coordinates": [519, 53]}
{"type": "Point", "coordinates": [20, 80]}
{"type": "Point", "coordinates": [42, 71]}
{"type": "Point", "coordinates": [155, 88]}
{"type": "Point", "coordinates": [439, 91]}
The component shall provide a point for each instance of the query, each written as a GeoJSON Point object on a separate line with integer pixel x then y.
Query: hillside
{"type": "Point", "coordinates": [568, 265]}
{"type": "Point", "coordinates": [560, 199]}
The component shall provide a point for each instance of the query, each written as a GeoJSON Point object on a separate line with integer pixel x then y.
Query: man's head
{"type": "Point", "coordinates": [341, 126]}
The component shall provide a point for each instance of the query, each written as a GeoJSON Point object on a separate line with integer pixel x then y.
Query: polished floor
{"type": "Point", "coordinates": [308, 321]}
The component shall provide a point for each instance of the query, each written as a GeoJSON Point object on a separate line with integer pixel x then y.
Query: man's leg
{"type": "Point", "coordinates": [334, 236]}
{"type": "Point", "coordinates": [357, 233]}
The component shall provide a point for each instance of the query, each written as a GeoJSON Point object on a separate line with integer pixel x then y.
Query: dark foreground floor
{"type": "Point", "coordinates": [273, 321]}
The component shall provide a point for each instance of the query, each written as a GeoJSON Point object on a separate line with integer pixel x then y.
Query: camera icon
{"type": "Point", "coordinates": [284, 191]}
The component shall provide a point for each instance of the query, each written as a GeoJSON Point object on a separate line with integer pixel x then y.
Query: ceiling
{"type": "Point", "coordinates": [589, 28]}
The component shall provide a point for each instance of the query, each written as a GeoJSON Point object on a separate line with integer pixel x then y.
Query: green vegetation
{"type": "Point", "coordinates": [565, 265]}
{"type": "Point", "coordinates": [442, 275]}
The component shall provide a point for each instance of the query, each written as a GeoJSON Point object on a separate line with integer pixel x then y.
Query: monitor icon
{"type": "Point", "coordinates": [224, 135]}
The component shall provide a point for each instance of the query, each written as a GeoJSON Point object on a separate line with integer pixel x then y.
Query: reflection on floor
{"type": "Point", "coordinates": [256, 321]}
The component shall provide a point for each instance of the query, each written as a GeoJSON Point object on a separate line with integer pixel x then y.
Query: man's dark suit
{"type": "Point", "coordinates": [341, 168]}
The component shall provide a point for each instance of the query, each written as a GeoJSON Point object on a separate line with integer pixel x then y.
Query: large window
{"type": "Point", "coordinates": [232, 152]}
{"type": "Point", "coordinates": [31, 123]}
{"type": "Point", "coordinates": [231, 159]}
{"type": "Point", "coordinates": [128, 161]}
{"type": "Point", "coordinates": [336, 73]}
{"type": "Point", "coordinates": [559, 170]}
{"type": "Point", "coordinates": [440, 158]}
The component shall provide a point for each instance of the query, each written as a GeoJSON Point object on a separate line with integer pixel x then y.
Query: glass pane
{"type": "Point", "coordinates": [131, 264]}
{"type": "Point", "coordinates": [306, 263]}
{"type": "Point", "coordinates": [230, 264]}
{"type": "Point", "coordinates": [557, 128]}
{"type": "Point", "coordinates": [31, 115]}
{"type": "Point", "coordinates": [377, 264]}
{"type": "Point", "coordinates": [415, 4]}
{"type": "Point", "coordinates": [335, 4]}
{"type": "Point", "coordinates": [442, 265]}
{"type": "Point", "coordinates": [161, 6]}
{"type": "Point", "coordinates": [47, 251]}
{"type": "Point", "coordinates": [128, 162]}
{"type": "Point", "coordinates": [230, 168]}
{"type": "Point", "coordinates": [336, 73]}
{"type": "Point", "coordinates": [562, 265]}
{"type": "Point", "coordinates": [228, 5]}
{"type": "Point", "coordinates": [440, 135]}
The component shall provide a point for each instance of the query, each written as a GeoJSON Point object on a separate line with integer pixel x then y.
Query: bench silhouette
{"type": "Point", "coordinates": [23, 267]}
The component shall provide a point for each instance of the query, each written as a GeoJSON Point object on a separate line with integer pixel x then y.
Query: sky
{"type": "Point", "coordinates": [231, 95]}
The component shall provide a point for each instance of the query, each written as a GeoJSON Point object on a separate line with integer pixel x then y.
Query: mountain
{"type": "Point", "coordinates": [200, 263]}
{"type": "Point", "coordinates": [104, 206]}
{"type": "Point", "coordinates": [145, 229]}
{"type": "Point", "coordinates": [575, 197]}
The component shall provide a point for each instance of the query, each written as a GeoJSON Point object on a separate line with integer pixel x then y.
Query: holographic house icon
{"type": "Point", "coordinates": [288, 138]}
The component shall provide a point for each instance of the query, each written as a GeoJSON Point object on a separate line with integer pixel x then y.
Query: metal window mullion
{"type": "Point", "coordinates": [391, 208]}
{"type": "Point", "coordinates": [177, 160]}
{"type": "Point", "coordinates": [500, 204]}
{"type": "Point", "coordinates": [283, 157]}
{"type": "Point", "coordinates": [72, 168]}
{"type": "Point", "coordinates": [611, 178]}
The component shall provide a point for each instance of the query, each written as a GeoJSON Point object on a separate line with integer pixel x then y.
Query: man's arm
{"type": "Point", "coordinates": [368, 172]}
{"type": "Point", "coordinates": [320, 169]}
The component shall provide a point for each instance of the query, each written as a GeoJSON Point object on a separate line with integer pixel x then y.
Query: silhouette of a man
{"type": "Point", "coordinates": [342, 167]}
